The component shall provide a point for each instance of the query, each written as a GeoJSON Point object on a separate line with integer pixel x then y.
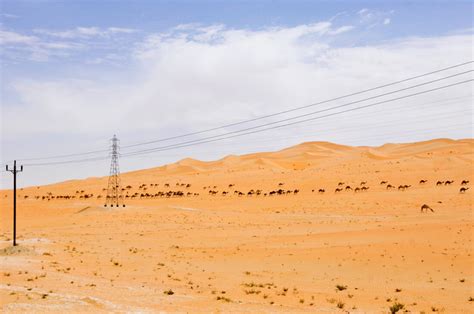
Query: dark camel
{"type": "Point", "coordinates": [425, 207]}
{"type": "Point", "coordinates": [463, 190]}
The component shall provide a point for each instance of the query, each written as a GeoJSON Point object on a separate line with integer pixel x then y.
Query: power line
{"type": "Point", "coordinates": [66, 162]}
{"type": "Point", "coordinates": [340, 130]}
{"type": "Point", "coordinates": [203, 141]}
{"type": "Point", "coordinates": [65, 156]}
{"type": "Point", "coordinates": [219, 137]}
{"type": "Point", "coordinates": [253, 119]}
{"type": "Point", "coordinates": [299, 108]}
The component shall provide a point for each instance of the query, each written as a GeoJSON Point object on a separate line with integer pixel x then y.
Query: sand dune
{"type": "Point", "coordinates": [252, 233]}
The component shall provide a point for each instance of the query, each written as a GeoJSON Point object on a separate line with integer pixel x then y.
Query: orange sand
{"type": "Point", "coordinates": [280, 253]}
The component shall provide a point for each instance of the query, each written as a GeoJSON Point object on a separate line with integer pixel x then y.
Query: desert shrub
{"type": "Point", "coordinates": [341, 287]}
{"type": "Point", "coordinates": [396, 307]}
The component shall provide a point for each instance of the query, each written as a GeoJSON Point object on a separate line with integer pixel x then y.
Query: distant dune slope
{"type": "Point", "coordinates": [304, 156]}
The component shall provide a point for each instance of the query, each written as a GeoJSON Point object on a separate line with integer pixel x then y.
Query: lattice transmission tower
{"type": "Point", "coordinates": [114, 190]}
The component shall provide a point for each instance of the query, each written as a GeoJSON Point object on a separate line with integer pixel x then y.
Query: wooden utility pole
{"type": "Point", "coordinates": [14, 171]}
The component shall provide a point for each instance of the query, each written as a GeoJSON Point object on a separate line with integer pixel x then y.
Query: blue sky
{"type": "Point", "coordinates": [414, 17]}
{"type": "Point", "coordinates": [76, 72]}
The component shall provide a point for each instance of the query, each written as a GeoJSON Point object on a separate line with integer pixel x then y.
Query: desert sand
{"type": "Point", "coordinates": [363, 251]}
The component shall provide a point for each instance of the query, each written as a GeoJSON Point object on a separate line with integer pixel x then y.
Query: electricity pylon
{"type": "Point", "coordinates": [114, 190]}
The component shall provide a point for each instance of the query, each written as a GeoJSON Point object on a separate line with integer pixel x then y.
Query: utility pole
{"type": "Point", "coordinates": [14, 171]}
{"type": "Point", "coordinates": [114, 190]}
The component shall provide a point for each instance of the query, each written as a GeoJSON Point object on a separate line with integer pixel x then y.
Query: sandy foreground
{"type": "Point", "coordinates": [349, 251]}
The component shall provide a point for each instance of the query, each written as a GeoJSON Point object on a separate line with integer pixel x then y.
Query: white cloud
{"type": "Point", "coordinates": [341, 30]}
{"type": "Point", "coordinates": [19, 46]}
{"type": "Point", "coordinates": [216, 70]}
{"type": "Point", "coordinates": [85, 32]}
{"type": "Point", "coordinates": [372, 18]}
{"type": "Point", "coordinates": [195, 77]}
{"type": "Point", "coordinates": [46, 44]}
{"type": "Point", "coordinates": [9, 16]}
{"type": "Point", "coordinates": [7, 37]}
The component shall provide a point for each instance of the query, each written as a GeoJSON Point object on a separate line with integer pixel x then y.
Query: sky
{"type": "Point", "coordinates": [74, 73]}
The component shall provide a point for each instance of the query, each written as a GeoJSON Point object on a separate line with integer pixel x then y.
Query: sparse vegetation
{"type": "Point", "coordinates": [341, 287]}
{"type": "Point", "coordinates": [221, 298]}
{"type": "Point", "coordinates": [396, 307]}
{"type": "Point", "coordinates": [168, 292]}
{"type": "Point", "coordinates": [252, 291]}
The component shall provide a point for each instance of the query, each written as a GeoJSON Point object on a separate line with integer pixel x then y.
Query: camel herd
{"type": "Point", "coordinates": [144, 191]}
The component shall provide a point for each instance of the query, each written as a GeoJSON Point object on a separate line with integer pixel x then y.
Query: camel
{"type": "Point", "coordinates": [348, 188]}
{"type": "Point", "coordinates": [340, 184]}
{"type": "Point", "coordinates": [383, 182]}
{"type": "Point", "coordinates": [365, 188]}
{"type": "Point", "coordinates": [363, 183]}
{"type": "Point", "coordinates": [356, 190]}
{"type": "Point", "coordinates": [463, 190]}
{"type": "Point", "coordinates": [390, 187]}
{"type": "Point", "coordinates": [337, 190]}
{"type": "Point", "coordinates": [448, 182]}
{"type": "Point", "coordinates": [439, 183]}
{"type": "Point", "coordinates": [423, 181]}
{"type": "Point", "coordinates": [401, 188]}
{"type": "Point", "coordinates": [321, 191]}
{"type": "Point", "coordinates": [425, 207]}
{"type": "Point", "coordinates": [464, 182]}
